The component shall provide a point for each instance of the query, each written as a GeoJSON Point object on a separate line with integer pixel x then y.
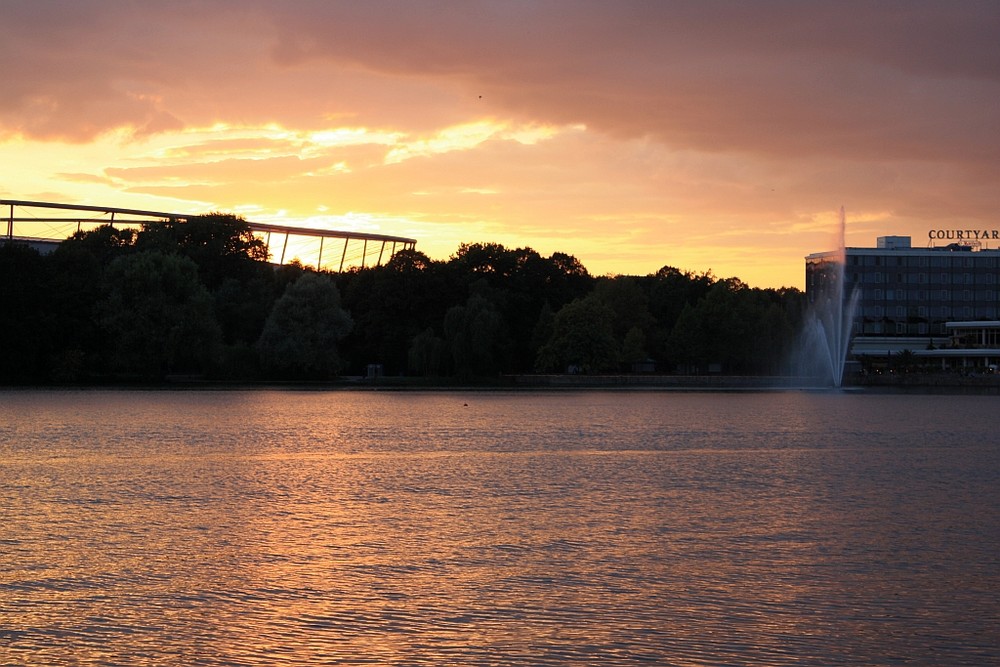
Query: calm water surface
{"type": "Point", "coordinates": [590, 528]}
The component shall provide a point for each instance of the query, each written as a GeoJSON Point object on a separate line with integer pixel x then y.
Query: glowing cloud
{"type": "Point", "coordinates": [630, 134]}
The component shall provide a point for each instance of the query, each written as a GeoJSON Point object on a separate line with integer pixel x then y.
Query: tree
{"type": "Point", "coordinates": [242, 307]}
{"type": "Point", "coordinates": [583, 336]}
{"type": "Point", "coordinates": [476, 337]}
{"type": "Point", "coordinates": [300, 337]}
{"type": "Point", "coordinates": [486, 259]}
{"type": "Point", "coordinates": [624, 296]}
{"type": "Point", "coordinates": [544, 327]}
{"type": "Point", "coordinates": [426, 353]}
{"type": "Point", "coordinates": [670, 292]}
{"type": "Point", "coordinates": [537, 281]}
{"type": "Point", "coordinates": [686, 344]}
{"type": "Point", "coordinates": [158, 315]}
{"type": "Point", "coordinates": [222, 245]}
{"type": "Point", "coordinates": [744, 330]}
{"type": "Point", "coordinates": [26, 327]}
{"type": "Point", "coordinates": [392, 304]}
{"type": "Point", "coordinates": [634, 346]}
{"type": "Point", "coordinates": [76, 275]}
{"type": "Point", "coordinates": [105, 243]}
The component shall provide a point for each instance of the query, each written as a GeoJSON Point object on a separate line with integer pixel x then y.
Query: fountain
{"type": "Point", "coordinates": [826, 334]}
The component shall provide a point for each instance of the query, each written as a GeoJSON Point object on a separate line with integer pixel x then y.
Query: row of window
{"type": "Point", "coordinates": [991, 339]}
{"type": "Point", "coordinates": [925, 295]}
{"type": "Point", "coordinates": [977, 260]}
{"type": "Point", "coordinates": [898, 328]}
{"type": "Point", "coordinates": [943, 278]}
{"type": "Point", "coordinates": [870, 328]}
{"type": "Point", "coordinates": [943, 313]}
{"type": "Point", "coordinates": [987, 338]}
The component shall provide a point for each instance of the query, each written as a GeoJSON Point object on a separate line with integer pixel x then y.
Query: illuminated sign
{"type": "Point", "coordinates": [964, 234]}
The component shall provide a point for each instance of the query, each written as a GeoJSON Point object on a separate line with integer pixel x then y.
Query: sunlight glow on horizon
{"type": "Point", "coordinates": [122, 182]}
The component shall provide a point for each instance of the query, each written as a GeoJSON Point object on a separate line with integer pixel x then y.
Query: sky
{"type": "Point", "coordinates": [706, 136]}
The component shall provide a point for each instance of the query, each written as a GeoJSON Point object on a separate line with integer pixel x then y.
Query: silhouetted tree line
{"type": "Point", "coordinates": [199, 298]}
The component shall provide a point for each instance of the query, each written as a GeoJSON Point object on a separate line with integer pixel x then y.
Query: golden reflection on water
{"type": "Point", "coordinates": [292, 528]}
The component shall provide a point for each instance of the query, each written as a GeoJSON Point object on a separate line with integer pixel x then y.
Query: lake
{"type": "Point", "coordinates": [296, 527]}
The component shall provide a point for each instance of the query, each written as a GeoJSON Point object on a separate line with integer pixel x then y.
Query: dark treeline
{"type": "Point", "coordinates": [199, 298]}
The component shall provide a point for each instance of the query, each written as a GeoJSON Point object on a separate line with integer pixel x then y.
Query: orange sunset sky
{"type": "Point", "coordinates": [633, 135]}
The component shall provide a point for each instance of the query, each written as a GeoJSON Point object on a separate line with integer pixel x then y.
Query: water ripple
{"type": "Point", "coordinates": [526, 529]}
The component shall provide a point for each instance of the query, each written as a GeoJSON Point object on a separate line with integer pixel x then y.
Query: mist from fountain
{"type": "Point", "coordinates": [826, 334]}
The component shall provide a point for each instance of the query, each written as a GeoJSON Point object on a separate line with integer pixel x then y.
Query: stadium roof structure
{"type": "Point", "coordinates": [37, 221]}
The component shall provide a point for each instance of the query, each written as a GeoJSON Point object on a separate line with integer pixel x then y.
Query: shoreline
{"type": "Point", "coordinates": [905, 383]}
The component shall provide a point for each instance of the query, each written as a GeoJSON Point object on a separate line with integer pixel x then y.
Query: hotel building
{"type": "Point", "coordinates": [940, 302]}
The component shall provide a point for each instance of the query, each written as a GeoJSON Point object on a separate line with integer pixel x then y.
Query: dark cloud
{"type": "Point", "coordinates": [913, 80]}
{"type": "Point", "coordinates": [73, 70]}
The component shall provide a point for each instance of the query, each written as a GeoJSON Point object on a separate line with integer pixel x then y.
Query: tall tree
{"type": "Point", "coordinates": [301, 335]}
{"type": "Point", "coordinates": [105, 243]}
{"type": "Point", "coordinates": [426, 354]}
{"type": "Point", "coordinates": [741, 329]}
{"type": "Point", "coordinates": [27, 322]}
{"type": "Point", "coordinates": [392, 304]}
{"type": "Point", "coordinates": [158, 315]}
{"type": "Point", "coordinates": [222, 245]}
{"type": "Point", "coordinates": [582, 336]}
{"type": "Point", "coordinates": [634, 346]}
{"type": "Point", "coordinates": [476, 335]}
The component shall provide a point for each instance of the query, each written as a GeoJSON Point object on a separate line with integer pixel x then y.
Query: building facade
{"type": "Point", "coordinates": [911, 298]}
